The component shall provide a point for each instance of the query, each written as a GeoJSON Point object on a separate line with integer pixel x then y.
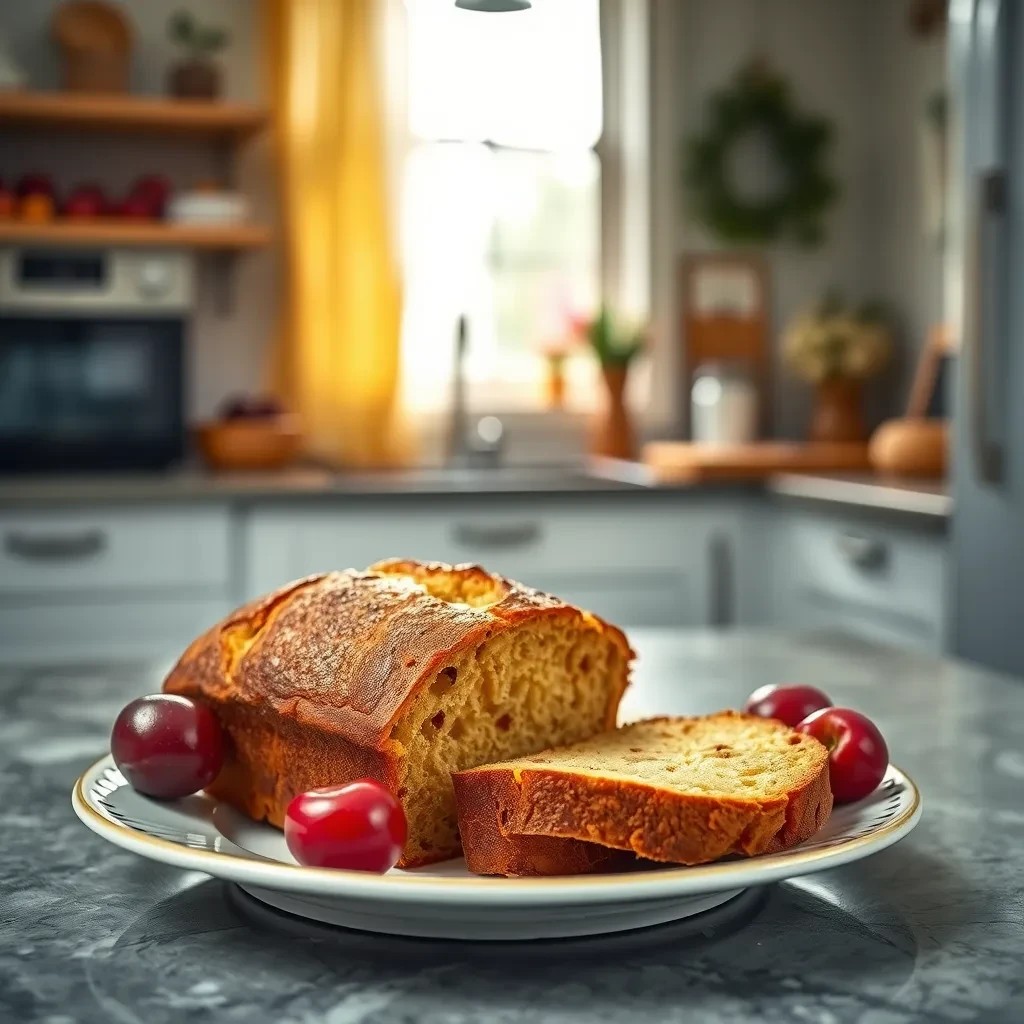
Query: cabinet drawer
{"type": "Point", "coordinates": [635, 563]}
{"type": "Point", "coordinates": [526, 540]}
{"type": "Point", "coordinates": [568, 539]}
{"type": "Point", "coordinates": [879, 581]}
{"type": "Point", "coordinates": [88, 550]}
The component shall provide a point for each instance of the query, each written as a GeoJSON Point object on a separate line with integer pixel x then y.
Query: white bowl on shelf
{"type": "Point", "coordinates": [208, 208]}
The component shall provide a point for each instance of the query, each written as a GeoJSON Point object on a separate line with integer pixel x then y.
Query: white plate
{"type": "Point", "coordinates": [445, 900]}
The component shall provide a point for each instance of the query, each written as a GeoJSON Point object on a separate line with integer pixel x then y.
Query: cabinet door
{"type": "Point", "coordinates": [879, 581]}
{"type": "Point", "coordinates": [640, 562]}
{"type": "Point", "coordinates": [667, 597]}
{"type": "Point", "coordinates": [986, 47]}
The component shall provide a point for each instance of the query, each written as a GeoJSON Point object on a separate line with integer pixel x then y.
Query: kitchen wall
{"type": "Point", "coordinates": [229, 347]}
{"type": "Point", "coordinates": [906, 260]}
{"type": "Point", "coordinates": [856, 62]}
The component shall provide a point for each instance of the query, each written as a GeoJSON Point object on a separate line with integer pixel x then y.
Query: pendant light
{"type": "Point", "coordinates": [494, 5]}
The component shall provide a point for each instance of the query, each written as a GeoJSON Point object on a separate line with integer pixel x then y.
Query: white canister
{"type": "Point", "coordinates": [723, 404]}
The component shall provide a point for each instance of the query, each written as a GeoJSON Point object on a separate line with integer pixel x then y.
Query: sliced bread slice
{"type": "Point", "coordinates": [676, 790]}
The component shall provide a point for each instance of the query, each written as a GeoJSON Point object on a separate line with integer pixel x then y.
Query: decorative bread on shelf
{"type": "Point", "coordinates": [678, 790]}
{"type": "Point", "coordinates": [403, 673]}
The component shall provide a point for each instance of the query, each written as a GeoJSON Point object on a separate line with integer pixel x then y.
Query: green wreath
{"type": "Point", "coordinates": [760, 100]}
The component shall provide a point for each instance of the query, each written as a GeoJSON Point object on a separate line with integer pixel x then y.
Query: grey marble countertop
{"type": "Point", "coordinates": [930, 930]}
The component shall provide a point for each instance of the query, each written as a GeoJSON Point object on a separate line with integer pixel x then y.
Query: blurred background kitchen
{"type": "Point", "coordinates": [650, 303]}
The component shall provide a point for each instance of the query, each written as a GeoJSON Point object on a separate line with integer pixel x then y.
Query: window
{"type": "Point", "coordinates": [501, 194]}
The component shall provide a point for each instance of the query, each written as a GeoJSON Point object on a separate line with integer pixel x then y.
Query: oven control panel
{"type": "Point", "coordinates": [129, 282]}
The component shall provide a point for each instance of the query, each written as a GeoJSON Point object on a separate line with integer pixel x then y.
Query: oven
{"type": "Point", "coordinates": [92, 359]}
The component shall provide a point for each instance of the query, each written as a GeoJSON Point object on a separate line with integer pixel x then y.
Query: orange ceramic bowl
{"type": "Point", "coordinates": [250, 444]}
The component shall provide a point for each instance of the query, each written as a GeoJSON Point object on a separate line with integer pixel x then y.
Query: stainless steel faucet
{"type": "Point", "coordinates": [471, 446]}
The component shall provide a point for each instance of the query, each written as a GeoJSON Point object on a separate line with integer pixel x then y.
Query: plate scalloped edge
{"type": "Point", "coordinates": [183, 834]}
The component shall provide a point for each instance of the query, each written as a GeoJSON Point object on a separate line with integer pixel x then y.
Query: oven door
{"type": "Point", "coordinates": [90, 393]}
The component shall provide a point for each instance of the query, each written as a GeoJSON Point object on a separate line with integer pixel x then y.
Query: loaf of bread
{"type": "Point", "coordinates": [403, 673]}
{"type": "Point", "coordinates": [676, 790]}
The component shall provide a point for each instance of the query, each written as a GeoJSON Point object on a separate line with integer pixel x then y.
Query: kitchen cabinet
{"type": "Point", "coordinates": [97, 581]}
{"type": "Point", "coordinates": [141, 579]}
{"type": "Point", "coordinates": [640, 560]}
{"type": "Point", "coordinates": [878, 579]}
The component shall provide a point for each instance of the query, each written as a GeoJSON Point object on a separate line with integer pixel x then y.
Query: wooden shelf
{"type": "Point", "coordinates": [60, 233]}
{"type": "Point", "coordinates": [153, 115]}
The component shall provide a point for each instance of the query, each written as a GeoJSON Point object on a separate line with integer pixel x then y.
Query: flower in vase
{"type": "Point", "coordinates": [835, 342]}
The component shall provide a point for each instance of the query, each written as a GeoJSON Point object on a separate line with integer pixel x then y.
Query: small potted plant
{"type": "Point", "coordinates": [197, 75]}
{"type": "Point", "coordinates": [836, 348]}
{"type": "Point", "coordinates": [615, 343]}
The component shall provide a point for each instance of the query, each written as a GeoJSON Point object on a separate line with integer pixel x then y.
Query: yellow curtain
{"type": "Point", "coordinates": [337, 358]}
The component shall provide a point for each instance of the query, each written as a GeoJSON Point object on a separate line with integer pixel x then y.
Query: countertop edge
{"type": "Point", "coordinates": [888, 496]}
{"type": "Point", "coordinates": [607, 479]}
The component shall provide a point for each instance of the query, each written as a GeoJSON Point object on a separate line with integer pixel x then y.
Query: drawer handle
{"type": "Point", "coordinates": [516, 535]}
{"type": "Point", "coordinates": [863, 552]}
{"type": "Point", "coordinates": [55, 547]}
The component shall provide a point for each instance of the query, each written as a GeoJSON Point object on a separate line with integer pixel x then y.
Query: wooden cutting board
{"type": "Point", "coordinates": [682, 462]}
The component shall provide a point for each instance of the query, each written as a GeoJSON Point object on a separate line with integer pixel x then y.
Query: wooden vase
{"type": "Point", "coordinates": [613, 431]}
{"type": "Point", "coordinates": [838, 416]}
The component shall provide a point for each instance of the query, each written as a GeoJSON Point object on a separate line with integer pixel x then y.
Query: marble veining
{"type": "Point", "coordinates": [929, 930]}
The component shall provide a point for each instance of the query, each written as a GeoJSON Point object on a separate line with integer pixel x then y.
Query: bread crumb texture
{"type": "Point", "coordinates": [544, 683]}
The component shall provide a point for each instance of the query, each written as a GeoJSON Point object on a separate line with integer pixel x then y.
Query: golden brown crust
{"type": "Point", "coordinates": [807, 810]}
{"type": "Point", "coordinates": [482, 797]}
{"type": "Point", "coordinates": [655, 823]}
{"type": "Point", "coordinates": [272, 759]}
{"type": "Point", "coordinates": [206, 665]}
{"type": "Point", "coordinates": [346, 652]}
{"type": "Point", "coordinates": [309, 680]}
